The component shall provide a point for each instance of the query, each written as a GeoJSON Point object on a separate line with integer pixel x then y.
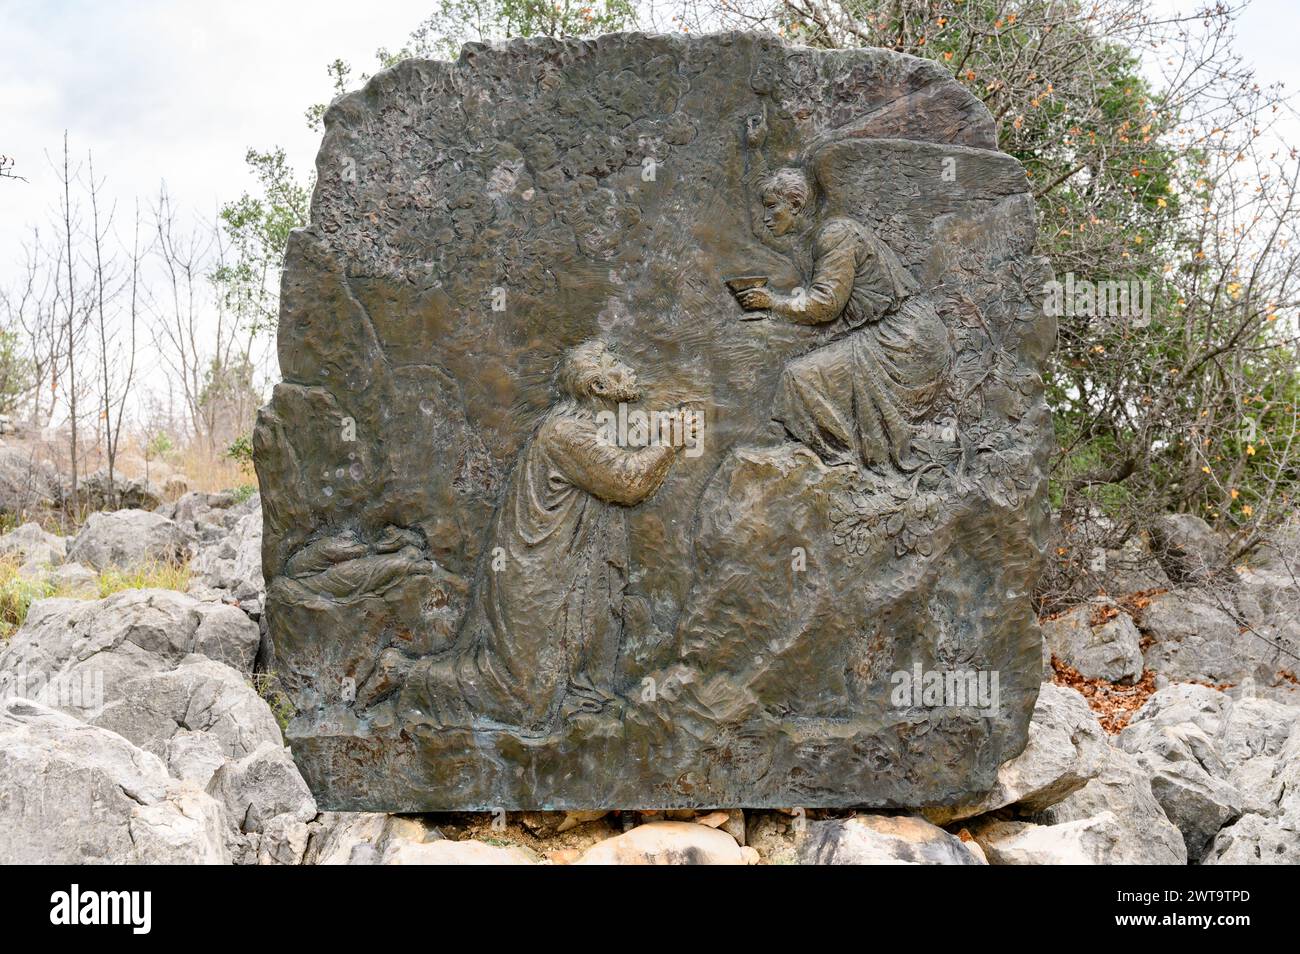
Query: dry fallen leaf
{"type": "Point", "coordinates": [1113, 703]}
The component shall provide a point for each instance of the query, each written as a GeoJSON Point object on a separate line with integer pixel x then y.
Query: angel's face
{"type": "Point", "coordinates": [779, 212]}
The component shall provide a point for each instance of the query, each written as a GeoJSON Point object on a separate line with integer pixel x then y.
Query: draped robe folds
{"type": "Point", "coordinates": [542, 634]}
{"type": "Point", "coordinates": [854, 400]}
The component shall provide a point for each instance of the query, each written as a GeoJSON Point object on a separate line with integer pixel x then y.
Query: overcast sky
{"type": "Point", "coordinates": [179, 90]}
{"type": "Point", "coordinates": [170, 90]}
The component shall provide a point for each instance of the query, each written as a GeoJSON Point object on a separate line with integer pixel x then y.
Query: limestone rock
{"type": "Point", "coordinates": [262, 785]}
{"type": "Point", "coordinates": [283, 841]}
{"type": "Point", "coordinates": [1183, 702]}
{"type": "Point", "coordinates": [1268, 601]}
{"type": "Point", "coordinates": [194, 756]}
{"type": "Point", "coordinates": [881, 840]}
{"type": "Point", "coordinates": [1195, 639]}
{"type": "Point", "coordinates": [1098, 840]}
{"type": "Point", "coordinates": [175, 486]}
{"type": "Point", "coordinates": [1175, 742]}
{"type": "Point", "coordinates": [1188, 778]}
{"type": "Point", "coordinates": [96, 492]}
{"type": "Point", "coordinates": [1187, 548]}
{"type": "Point", "coordinates": [199, 694]}
{"type": "Point", "coordinates": [1254, 727]}
{"type": "Point", "coordinates": [1255, 840]}
{"type": "Point", "coordinates": [1263, 592]}
{"type": "Point", "coordinates": [446, 852]}
{"type": "Point", "coordinates": [207, 517]}
{"type": "Point", "coordinates": [128, 538]}
{"type": "Point", "coordinates": [360, 838]}
{"type": "Point", "coordinates": [370, 838]}
{"type": "Point", "coordinates": [76, 654]}
{"type": "Point", "coordinates": [732, 821]}
{"type": "Point", "coordinates": [1259, 783]}
{"type": "Point", "coordinates": [183, 829]}
{"type": "Point", "coordinates": [1288, 771]}
{"type": "Point", "coordinates": [1194, 800]}
{"type": "Point", "coordinates": [74, 580]}
{"type": "Point", "coordinates": [132, 663]}
{"type": "Point", "coordinates": [27, 485]}
{"type": "Point", "coordinates": [1278, 550]}
{"type": "Point", "coordinates": [666, 843]}
{"type": "Point", "coordinates": [1099, 640]}
{"type": "Point", "coordinates": [1132, 568]}
{"type": "Point", "coordinates": [231, 567]}
{"type": "Point", "coordinates": [33, 546]}
{"type": "Point", "coordinates": [227, 635]}
{"type": "Point", "coordinates": [72, 793]}
{"type": "Point", "coordinates": [1123, 787]}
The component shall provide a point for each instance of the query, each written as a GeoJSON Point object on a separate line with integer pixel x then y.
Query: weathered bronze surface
{"type": "Point", "coordinates": [661, 422]}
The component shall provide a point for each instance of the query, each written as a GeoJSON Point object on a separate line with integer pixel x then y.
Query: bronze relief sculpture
{"type": "Point", "coordinates": [852, 401]}
{"type": "Point", "coordinates": [495, 582]}
{"type": "Point", "coordinates": [542, 637]}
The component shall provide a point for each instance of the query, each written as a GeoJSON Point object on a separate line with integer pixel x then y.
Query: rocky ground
{"type": "Point", "coordinates": [137, 728]}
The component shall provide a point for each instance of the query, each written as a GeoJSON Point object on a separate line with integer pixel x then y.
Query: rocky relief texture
{"type": "Point", "coordinates": [820, 264]}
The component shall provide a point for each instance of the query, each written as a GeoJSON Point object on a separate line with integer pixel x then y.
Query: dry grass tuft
{"type": "Point", "coordinates": [148, 576]}
{"type": "Point", "coordinates": [19, 592]}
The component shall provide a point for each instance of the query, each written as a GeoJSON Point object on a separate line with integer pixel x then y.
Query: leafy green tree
{"type": "Point", "coordinates": [228, 400]}
{"type": "Point", "coordinates": [339, 73]}
{"type": "Point", "coordinates": [455, 22]}
{"type": "Point", "coordinates": [16, 377]}
{"type": "Point", "coordinates": [241, 450]}
{"type": "Point", "coordinates": [257, 227]}
{"type": "Point", "coordinates": [159, 446]}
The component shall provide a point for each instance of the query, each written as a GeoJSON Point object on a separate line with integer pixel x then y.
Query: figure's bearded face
{"type": "Point", "coordinates": [615, 381]}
